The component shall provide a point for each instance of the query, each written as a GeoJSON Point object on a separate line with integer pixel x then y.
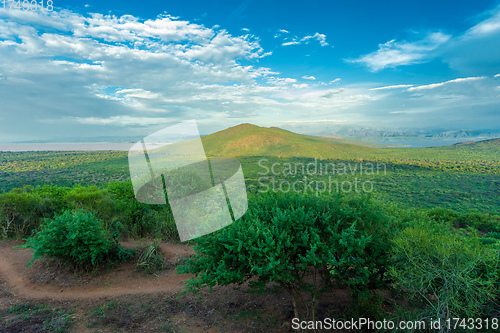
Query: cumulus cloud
{"type": "Point", "coordinates": [95, 74]}
{"type": "Point", "coordinates": [393, 53]}
{"type": "Point", "coordinates": [118, 69]}
{"type": "Point", "coordinates": [65, 74]}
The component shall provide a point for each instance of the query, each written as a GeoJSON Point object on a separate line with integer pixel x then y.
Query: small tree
{"type": "Point", "coordinates": [302, 244]}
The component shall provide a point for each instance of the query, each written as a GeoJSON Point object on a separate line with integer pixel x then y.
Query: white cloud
{"type": "Point", "coordinates": [440, 84]}
{"type": "Point", "coordinates": [123, 121]}
{"type": "Point", "coordinates": [120, 71]}
{"type": "Point", "coordinates": [294, 42]}
{"type": "Point", "coordinates": [321, 38]}
{"type": "Point", "coordinates": [486, 27]}
{"type": "Point", "coordinates": [498, 75]}
{"type": "Point", "coordinates": [101, 74]}
{"type": "Point", "coordinates": [397, 86]}
{"type": "Point", "coordinates": [280, 32]}
{"type": "Point", "coordinates": [477, 50]}
{"type": "Point", "coordinates": [138, 93]}
{"type": "Point", "coordinates": [314, 121]}
{"type": "Point", "coordinates": [308, 77]}
{"type": "Point", "coordinates": [393, 53]}
{"type": "Point", "coordinates": [337, 80]}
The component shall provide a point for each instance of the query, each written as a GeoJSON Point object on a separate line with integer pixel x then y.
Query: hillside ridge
{"type": "Point", "coordinates": [252, 140]}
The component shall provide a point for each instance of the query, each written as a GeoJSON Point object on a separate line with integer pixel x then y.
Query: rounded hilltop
{"type": "Point", "coordinates": [252, 140]}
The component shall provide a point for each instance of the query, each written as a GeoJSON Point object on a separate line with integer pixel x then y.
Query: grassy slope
{"type": "Point", "coordinates": [251, 140]}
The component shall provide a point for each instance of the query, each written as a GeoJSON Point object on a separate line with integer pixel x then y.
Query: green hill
{"type": "Point", "coordinates": [252, 140]}
{"type": "Point", "coordinates": [247, 140]}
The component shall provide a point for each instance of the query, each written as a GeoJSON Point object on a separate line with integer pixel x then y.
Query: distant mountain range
{"type": "Point", "coordinates": [430, 134]}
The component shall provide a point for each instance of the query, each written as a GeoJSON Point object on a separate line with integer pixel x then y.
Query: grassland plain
{"type": "Point", "coordinates": [461, 177]}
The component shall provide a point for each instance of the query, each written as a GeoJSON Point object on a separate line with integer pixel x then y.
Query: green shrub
{"type": "Point", "coordinates": [443, 215]}
{"type": "Point", "coordinates": [151, 260]}
{"type": "Point", "coordinates": [481, 221]}
{"type": "Point", "coordinates": [302, 244]}
{"type": "Point", "coordinates": [141, 220]}
{"type": "Point", "coordinates": [22, 210]}
{"type": "Point", "coordinates": [76, 239]}
{"type": "Point", "coordinates": [452, 275]}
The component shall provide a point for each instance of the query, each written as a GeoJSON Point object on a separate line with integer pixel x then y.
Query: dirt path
{"type": "Point", "coordinates": [45, 282]}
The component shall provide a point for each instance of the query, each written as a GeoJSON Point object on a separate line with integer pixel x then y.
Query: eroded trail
{"type": "Point", "coordinates": [44, 282]}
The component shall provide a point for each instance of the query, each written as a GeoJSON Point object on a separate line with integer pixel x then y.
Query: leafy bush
{"type": "Point", "coordinates": [76, 239]}
{"type": "Point", "coordinates": [24, 210]}
{"type": "Point", "coordinates": [302, 244]}
{"type": "Point", "coordinates": [452, 275]}
{"type": "Point", "coordinates": [443, 215]}
{"type": "Point", "coordinates": [480, 221]}
{"type": "Point", "coordinates": [151, 260]}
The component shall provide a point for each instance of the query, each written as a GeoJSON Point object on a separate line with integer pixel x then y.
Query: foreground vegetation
{"type": "Point", "coordinates": [443, 263]}
{"type": "Point", "coordinates": [306, 245]}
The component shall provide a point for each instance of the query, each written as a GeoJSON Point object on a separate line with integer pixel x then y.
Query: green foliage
{"type": "Point", "coordinates": [443, 215]}
{"type": "Point", "coordinates": [151, 259]}
{"type": "Point", "coordinates": [61, 168]}
{"type": "Point", "coordinates": [458, 177]}
{"type": "Point", "coordinates": [302, 244]}
{"type": "Point", "coordinates": [480, 221]}
{"type": "Point", "coordinates": [452, 275]}
{"type": "Point", "coordinates": [35, 318]}
{"type": "Point", "coordinates": [484, 222]}
{"type": "Point", "coordinates": [76, 239]}
{"type": "Point", "coordinates": [23, 210]}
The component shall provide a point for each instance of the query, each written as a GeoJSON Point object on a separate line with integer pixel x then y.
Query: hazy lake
{"type": "Point", "coordinates": [60, 146]}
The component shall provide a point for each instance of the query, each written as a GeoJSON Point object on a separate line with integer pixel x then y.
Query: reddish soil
{"type": "Point", "coordinates": [43, 280]}
{"type": "Point", "coordinates": [122, 299]}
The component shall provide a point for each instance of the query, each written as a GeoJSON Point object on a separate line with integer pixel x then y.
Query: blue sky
{"type": "Point", "coordinates": [118, 68]}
